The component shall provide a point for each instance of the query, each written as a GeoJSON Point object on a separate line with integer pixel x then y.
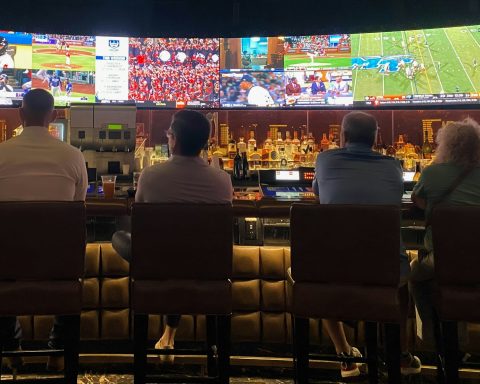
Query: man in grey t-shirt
{"type": "Point", "coordinates": [184, 178]}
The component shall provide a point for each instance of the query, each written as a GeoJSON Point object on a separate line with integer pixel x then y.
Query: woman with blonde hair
{"type": "Point", "coordinates": [453, 179]}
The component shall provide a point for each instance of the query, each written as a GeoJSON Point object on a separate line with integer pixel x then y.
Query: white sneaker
{"type": "Point", "coordinates": [350, 369]}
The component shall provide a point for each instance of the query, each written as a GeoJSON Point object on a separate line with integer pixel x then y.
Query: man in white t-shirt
{"type": "Point", "coordinates": [37, 166]}
{"type": "Point", "coordinates": [6, 61]}
{"type": "Point", "coordinates": [184, 178]}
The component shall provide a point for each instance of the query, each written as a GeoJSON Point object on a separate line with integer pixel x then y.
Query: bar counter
{"type": "Point", "coordinates": [242, 207]}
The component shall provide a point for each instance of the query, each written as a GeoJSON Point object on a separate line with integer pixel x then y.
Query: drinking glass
{"type": "Point", "coordinates": [108, 184]}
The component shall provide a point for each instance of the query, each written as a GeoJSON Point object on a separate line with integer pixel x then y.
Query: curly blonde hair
{"type": "Point", "coordinates": [459, 143]}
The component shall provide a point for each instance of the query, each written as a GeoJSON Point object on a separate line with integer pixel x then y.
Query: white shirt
{"type": "Point", "coordinates": [184, 180]}
{"type": "Point", "coordinates": [37, 166]}
{"type": "Point", "coordinates": [6, 61]}
{"type": "Point", "coordinates": [259, 96]}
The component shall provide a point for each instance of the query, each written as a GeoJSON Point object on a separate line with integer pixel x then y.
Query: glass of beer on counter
{"type": "Point", "coordinates": [108, 184]}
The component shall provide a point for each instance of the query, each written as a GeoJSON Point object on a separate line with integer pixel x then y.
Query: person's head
{"type": "Point", "coordinates": [37, 108]}
{"type": "Point", "coordinates": [294, 80]}
{"type": "Point", "coordinates": [188, 134]}
{"type": "Point", "coordinates": [459, 143]}
{"type": "Point", "coordinates": [247, 82]}
{"type": "Point", "coordinates": [359, 127]}
{"type": "Point", "coordinates": [3, 45]}
{"type": "Point", "coordinates": [338, 79]}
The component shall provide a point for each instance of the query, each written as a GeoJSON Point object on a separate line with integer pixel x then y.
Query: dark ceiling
{"type": "Point", "coordinates": [232, 17]}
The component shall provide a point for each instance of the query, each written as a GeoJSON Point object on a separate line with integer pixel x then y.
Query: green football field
{"type": "Point", "coordinates": [318, 62]}
{"type": "Point", "coordinates": [47, 57]}
{"type": "Point", "coordinates": [448, 55]}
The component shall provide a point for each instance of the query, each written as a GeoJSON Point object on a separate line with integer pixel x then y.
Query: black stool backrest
{"type": "Point", "coordinates": [181, 241]}
{"type": "Point", "coordinates": [42, 240]}
{"type": "Point", "coordinates": [456, 244]}
{"type": "Point", "coordinates": [350, 244]}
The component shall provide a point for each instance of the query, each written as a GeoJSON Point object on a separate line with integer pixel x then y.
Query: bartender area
{"type": "Point", "coordinates": [292, 201]}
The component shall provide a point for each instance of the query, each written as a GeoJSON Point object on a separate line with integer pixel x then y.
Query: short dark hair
{"type": "Point", "coordinates": [38, 103]}
{"type": "Point", "coordinates": [359, 127]}
{"type": "Point", "coordinates": [192, 130]}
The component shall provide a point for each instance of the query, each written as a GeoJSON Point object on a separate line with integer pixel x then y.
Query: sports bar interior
{"type": "Point", "coordinates": [336, 137]}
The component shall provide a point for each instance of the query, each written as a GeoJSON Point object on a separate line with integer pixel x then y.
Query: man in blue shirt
{"type": "Point", "coordinates": [355, 174]}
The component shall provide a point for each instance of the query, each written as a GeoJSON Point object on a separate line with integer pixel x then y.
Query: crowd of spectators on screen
{"type": "Point", "coordinates": [167, 69]}
{"type": "Point", "coordinates": [315, 43]}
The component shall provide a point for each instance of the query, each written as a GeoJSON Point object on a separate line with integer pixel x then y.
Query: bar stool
{"type": "Point", "coordinates": [457, 297]}
{"type": "Point", "coordinates": [41, 266]}
{"type": "Point", "coordinates": [345, 266]}
{"type": "Point", "coordinates": [182, 264]}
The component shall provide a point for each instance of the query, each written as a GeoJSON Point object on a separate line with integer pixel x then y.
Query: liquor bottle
{"type": "Point", "coordinates": [379, 147]}
{"type": "Point", "coordinates": [400, 143]}
{"type": "Point", "coordinates": [288, 146]}
{"type": "Point", "coordinates": [279, 144]}
{"type": "Point", "coordinates": [324, 143]}
{"type": "Point", "coordinates": [252, 143]}
{"type": "Point", "coordinates": [267, 147]}
{"type": "Point", "coordinates": [310, 157]}
{"type": "Point", "coordinates": [390, 151]}
{"type": "Point", "coordinates": [245, 166]}
{"type": "Point", "coordinates": [283, 157]}
{"type": "Point", "coordinates": [238, 166]}
{"type": "Point", "coordinates": [426, 147]}
{"type": "Point", "coordinates": [304, 144]}
{"type": "Point", "coordinates": [268, 142]}
{"type": "Point", "coordinates": [311, 141]}
{"type": "Point", "coordinates": [400, 150]}
{"type": "Point", "coordinates": [255, 158]}
{"type": "Point", "coordinates": [241, 145]}
{"type": "Point", "coordinates": [295, 143]}
{"type": "Point", "coordinates": [232, 147]}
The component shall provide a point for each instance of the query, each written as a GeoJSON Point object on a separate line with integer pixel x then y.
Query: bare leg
{"type": "Point", "coordinates": [168, 337]}
{"type": "Point", "coordinates": [337, 335]}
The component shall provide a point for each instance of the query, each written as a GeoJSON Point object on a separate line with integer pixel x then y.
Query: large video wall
{"type": "Point", "coordinates": [420, 67]}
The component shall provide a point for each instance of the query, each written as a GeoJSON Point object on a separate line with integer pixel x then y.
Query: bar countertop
{"type": "Point", "coordinates": [242, 207]}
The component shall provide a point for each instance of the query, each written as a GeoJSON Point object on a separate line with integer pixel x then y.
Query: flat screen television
{"type": "Point", "coordinates": [15, 65]}
{"type": "Point", "coordinates": [65, 66]}
{"type": "Point", "coordinates": [419, 68]}
{"type": "Point", "coordinates": [174, 72]}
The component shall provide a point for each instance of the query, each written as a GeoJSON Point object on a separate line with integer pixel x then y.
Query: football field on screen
{"type": "Point", "coordinates": [447, 60]}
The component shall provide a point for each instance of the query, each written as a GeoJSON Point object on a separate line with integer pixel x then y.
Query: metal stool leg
{"type": "Point", "coordinates": [140, 336]}
{"type": "Point", "coordinates": [392, 333]}
{"type": "Point", "coordinates": [301, 348]}
{"type": "Point", "coordinates": [437, 331]}
{"type": "Point", "coordinates": [371, 336]}
{"type": "Point", "coordinates": [1, 359]}
{"type": "Point", "coordinates": [450, 340]}
{"type": "Point", "coordinates": [223, 344]}
{"type": "Point", "coordinates": [71, 348]}
{"type": "Point", "coordinates": [212, 345]}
